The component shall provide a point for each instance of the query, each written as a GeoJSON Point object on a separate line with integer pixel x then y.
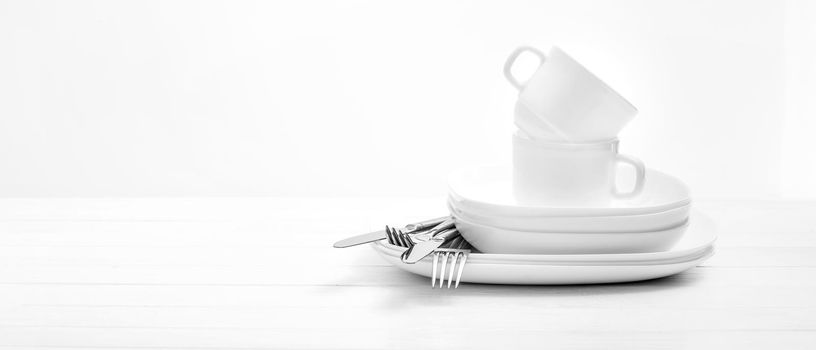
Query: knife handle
{"type": "Point", "coordinates": [423, 225]}
{"type": "Point", "coordinates": [447, 235]}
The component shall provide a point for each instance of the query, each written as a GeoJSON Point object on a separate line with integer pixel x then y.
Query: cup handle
{"type": "Point", "coordinates": [640, 176]}
{"type": "Point", "coordinates": [508, 65]}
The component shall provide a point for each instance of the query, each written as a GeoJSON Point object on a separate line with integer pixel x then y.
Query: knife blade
{"type": "Point", "coordinates": [426, 244]}
{"type": "Point", "coordinates": [360, 239]}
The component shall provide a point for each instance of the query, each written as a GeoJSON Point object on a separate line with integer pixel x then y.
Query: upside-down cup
{"type": "Point", "coordinates": [564, 101]}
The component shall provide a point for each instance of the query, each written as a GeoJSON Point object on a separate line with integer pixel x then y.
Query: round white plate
{"type": "Point", "coordinates": [487, 190]}
{"type": "Point", "coordinates": [696, 246]}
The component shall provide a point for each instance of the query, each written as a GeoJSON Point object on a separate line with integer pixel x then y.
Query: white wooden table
{"type": "Point", "coordinates": [261, 273]}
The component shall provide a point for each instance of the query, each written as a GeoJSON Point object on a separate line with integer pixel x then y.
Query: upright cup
{"type": "Point", "coordinates": [569, 102]}
{"type": "Point", "coordinates": [570, 174]}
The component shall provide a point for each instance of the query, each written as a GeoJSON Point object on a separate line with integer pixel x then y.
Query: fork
{"type": "Point", "coordinates": [401, 238]}
{"type": "Point", "coordinates": [457, 251]}
{"type": "Point", "coordinates": [398, 238]}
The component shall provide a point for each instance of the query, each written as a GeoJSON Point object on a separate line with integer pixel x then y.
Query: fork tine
{"type": "Point", "coordinates": [407, 239]}
{"type": "Point", "coordinates": [433, 271]}
{"type": "Point", "coordinates": [461, 267]}
{"type": "Point", "coordinates": [454, 257]}
{"type": "Point", "coordinates": [403, 239]}
{"type": "Point", "coordinates": [442, 270]}
{"type": "Point", "coordinates": [388, 235]}
{"type": "Point", "coordinates": [394, 236]}
{"type": "Point", "coordinates": [397, 238]}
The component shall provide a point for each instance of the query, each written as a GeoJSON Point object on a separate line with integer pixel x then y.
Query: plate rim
{"type": "Point", "coordinates": [704, 251]}
{"type": "Point", "coordinates": [708, 241]}
{"type": "Point", "coordinates": [529, 210]}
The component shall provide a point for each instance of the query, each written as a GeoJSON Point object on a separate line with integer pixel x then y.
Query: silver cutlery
{"type": "Point", "coordinates": [426, 242]}
{"type": "Point", "coordinates": [457, 253]}
{"type": "Point", "coordinates": [398, 237]}
{"type": "Point", "coordinates": [436, 236]}
{"type": "Point", "coordinates": [379, 235]}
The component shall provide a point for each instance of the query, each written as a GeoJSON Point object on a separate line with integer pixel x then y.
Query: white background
{"type": "Point", "coordinates": [318, 98]}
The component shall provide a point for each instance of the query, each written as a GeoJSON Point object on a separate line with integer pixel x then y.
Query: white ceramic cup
{"type": "Point", "coordinates": [570, 174]}
{"type": "Point", "coordinates": [570, 104]}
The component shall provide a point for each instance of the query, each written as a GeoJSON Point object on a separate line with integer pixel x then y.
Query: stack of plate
{"type": "Point", "coordinates": [651, 235]}
{"type": "Point", "coordinates": [489, 217]}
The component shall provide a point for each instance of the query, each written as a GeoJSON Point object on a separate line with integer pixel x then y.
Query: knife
{"type": "Point", "coordinates": [378, 235]}
{"type": "Point", "coordinates": [426, 242]}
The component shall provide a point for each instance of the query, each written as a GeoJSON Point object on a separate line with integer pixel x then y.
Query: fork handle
{"type": "Point", "coordinates": [442, 226]}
